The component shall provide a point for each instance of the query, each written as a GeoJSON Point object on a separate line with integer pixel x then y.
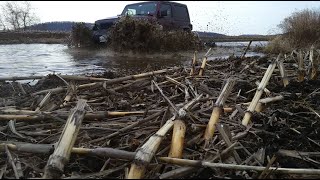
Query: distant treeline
{"type": "Point", "coordinates": [64, 26]}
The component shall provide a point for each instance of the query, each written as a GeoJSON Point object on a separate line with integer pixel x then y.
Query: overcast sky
{"type": "Point", "coordinates": [226, 17]}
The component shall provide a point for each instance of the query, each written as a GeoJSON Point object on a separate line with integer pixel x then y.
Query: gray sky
{"type": "Point", "coordinates": [226, 17]}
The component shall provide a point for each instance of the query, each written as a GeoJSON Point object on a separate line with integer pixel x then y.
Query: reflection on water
{"type": "Point", "coordinates": [43, 59]}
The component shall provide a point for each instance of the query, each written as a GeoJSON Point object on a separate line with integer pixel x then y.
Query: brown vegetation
{"type": "Point", "coordinates": [300, 30]}
{"type": "Point", "coordinates": [28, 37]}
{"type": "Point", "coordinates": [81, 36]}
{"type": "Point", "coordinates": [144, 35]}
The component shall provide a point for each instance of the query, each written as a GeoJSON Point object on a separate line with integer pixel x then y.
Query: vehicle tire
{"type": "Point", "coordinates": [187, 30]}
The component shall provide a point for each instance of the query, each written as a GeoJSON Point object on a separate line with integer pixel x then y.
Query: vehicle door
{"type": "Point", "coordinates": [181, 16]}
{"type": "Point", "coordinates": [165, 16]}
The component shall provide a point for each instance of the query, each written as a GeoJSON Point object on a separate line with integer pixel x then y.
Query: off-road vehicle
{"type": "Point", "coordinates": [170, 15]}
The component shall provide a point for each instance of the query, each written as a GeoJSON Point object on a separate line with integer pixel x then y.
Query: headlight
{"type": "Point", "coordinates": [102, 39]}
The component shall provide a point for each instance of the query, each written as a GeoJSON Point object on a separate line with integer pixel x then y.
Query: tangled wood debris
{"type": "Point", "coordinates": [240, 117]}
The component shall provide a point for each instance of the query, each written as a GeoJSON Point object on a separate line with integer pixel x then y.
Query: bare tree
{"type": "Point", "coordinates": [2, 23]}
{"type": "Point", "coordinates": [19, 15]}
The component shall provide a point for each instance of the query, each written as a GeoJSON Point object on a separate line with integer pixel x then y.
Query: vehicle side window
{"type": "Point", "coordinates": [181, 13]}
{"type": "Point", "coordinates": [165, 10]}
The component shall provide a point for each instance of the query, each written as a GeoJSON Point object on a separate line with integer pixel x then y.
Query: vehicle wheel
{"type": "Point", "coordinates": [187, 30]}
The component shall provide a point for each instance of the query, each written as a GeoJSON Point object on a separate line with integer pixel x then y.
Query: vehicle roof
{"type": "Point", "coordinates": [158, 2]}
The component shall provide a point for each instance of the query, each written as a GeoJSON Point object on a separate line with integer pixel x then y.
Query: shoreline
{"type": "Point", "coordinates": [47, 37]}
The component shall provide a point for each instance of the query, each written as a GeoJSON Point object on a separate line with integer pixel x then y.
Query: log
{"type": "Point", "coordinates": [55, 165]}
{"type": "Point", "coordinates": [256, 98]}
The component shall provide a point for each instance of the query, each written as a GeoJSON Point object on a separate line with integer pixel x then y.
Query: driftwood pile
{"type": "Point", "coordinates": [241, 117]}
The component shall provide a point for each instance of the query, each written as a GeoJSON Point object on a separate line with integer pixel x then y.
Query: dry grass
{"type": "Point", "coordinates": [300, 30]}
{"type": "Point", "coordinates": [81, 36]}
{"type": "Point", "coordinates": [279, 44]}
{"type": "Point", "coordinates": [28, 37]}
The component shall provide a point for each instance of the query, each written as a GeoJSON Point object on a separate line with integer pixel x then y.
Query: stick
{"type": "Point", "coordinates": [283, 73]}
{"type": "Point", "coordinates": [193, 64]}
{"type": "Point", "coordinates": [183, 171]}
{"type": "Point", "coordinates": [301, 70]}
{"type": "Point", "coordinates": [61, 155]}
{"type": "Point", "coordinates": [196, 163]}
{"type": "Point", "coordinates": [228, 142]}
{"type": "Point", "coordinates": [165, 97]}
{"type": "Point", "coordinates": [245, 51]}
{"type": "Point", "coordinates": [47, 148]}
{"type": "Point", "coordinates": [179, 130]}
{"type": "Point", "coordinates": [10, 159]}
{"type": "Point", "coordinates": [204, 61]}
{"type": "Point", "coordinates": [217, 110]}
{"type": "Point", "coordinates": [43, 101]}
{"type": "Point", "coordinates": [262, 85]}
{"type": "Point", "coordinates": [314, 62]}
{"type": "Point", "coordinates": [153, 116]}
{"type": "Point", "coordinates": [24, 115]}
{"type": "Point", "coordinates": [147, 151]}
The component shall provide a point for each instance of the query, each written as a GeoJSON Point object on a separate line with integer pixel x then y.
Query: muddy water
{"type": "Point", "coordinates": [42, 59]}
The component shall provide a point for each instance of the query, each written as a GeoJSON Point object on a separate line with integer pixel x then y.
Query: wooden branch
{"type": "Point", "coordinates": [183, 171]}
{"type": "Point", "coordinates": [262, 85]}
{"type": "Point", "coordinates": [301, 70]}
{"type": "Point", "coordinates": [47, 148]}
{"type": "Point", "coordinates": [43, 101]}
{"type": "Point", "coordinates": [195, 163]}
{"type": "Point", "coordinates": [153, 116]}
{"type": "Point", "coordinates": [245, 51]}
{"type": "Point", "coordinates": [61, 155]}
{"type": "Point", "coordinates": [11, 161]}
{"type": "Point", "coordinates": [148, 150]}
{"type": "Point", "coordinates": [283, 73]}
{"type": "Point", "coordinates": [165, 97]}
{"type": "Point", "coordinates": [177, 143]}
{"type": "Point", "coordinates": [315, 63]}
{"type": "Point", "coordinates": [25, 115]}
{"type": "Point", "coordinates": [217, 110]}
{"type": "Point", "coordinates": [227, 140]}
{"type": "Point", "coordinates": [193, 64]}
{"type": "Point", "coordinates": [204, 61]}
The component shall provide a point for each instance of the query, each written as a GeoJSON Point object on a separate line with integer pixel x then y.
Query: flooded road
{"type": "Point", "coordinates": [43, 59]}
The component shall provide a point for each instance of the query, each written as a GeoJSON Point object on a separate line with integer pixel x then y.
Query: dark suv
{"type": "Point", "coordinates": [170, 15]}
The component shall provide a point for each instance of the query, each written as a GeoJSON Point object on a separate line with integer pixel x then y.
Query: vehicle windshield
{"type": "Point", "coordinates": [140, 9]}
